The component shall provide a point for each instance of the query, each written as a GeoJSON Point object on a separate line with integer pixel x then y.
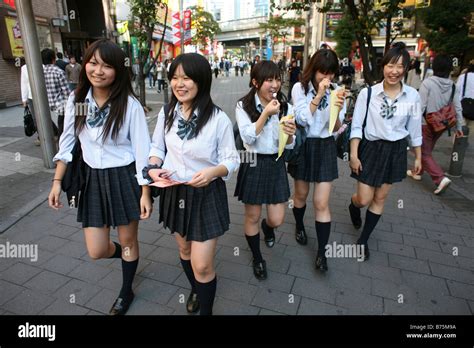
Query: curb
{"type": "Point", "coordinates": [22, 212]}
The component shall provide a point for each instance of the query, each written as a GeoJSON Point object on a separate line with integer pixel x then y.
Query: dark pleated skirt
{"type": "Point", "coordinates": [383, 162]}
{"type": "Point", "coordinates": [319, 161]}
{"type": "Point", "coordinates": [264, 183]}
{"type": "Point", "coordinates": [197, 214]}
{"type": "Point", "coordinates": [111, 197]}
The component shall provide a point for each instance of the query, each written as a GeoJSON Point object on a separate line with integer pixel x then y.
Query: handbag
{"type": "Point", "coordinates": [444, 118]}
{"type": "Point", "coordinates": [28, 122]}
{"type": "Point", "coordinates": [74, 178]}
{"type": "Point", "coordinates": [343, 141]}
{"type": "Point", "coordinates": [467, 103]}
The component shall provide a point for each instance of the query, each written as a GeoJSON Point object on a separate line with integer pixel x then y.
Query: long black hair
{"type": "Point", "coordinates": [120, 88]}
{"type": "Point", "coordinates": [323, 60]}
{"type": "Point", "coordinates": [263, 70]}
{"type": "Point", "coordinates": [197, 68]}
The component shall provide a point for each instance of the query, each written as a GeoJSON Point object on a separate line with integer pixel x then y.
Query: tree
{"type": "Point", "coordinates": [277, 26]}
{"type": "Point", "coordinates": [205, 25]}
{"type": "Point", "coordinates": [447, 26]}
{"type": "Point", "coordinates": [143, 18]}
{"type": "Point", "coordinates": [366, 18]}
{"type": "Point", "coordinates": [344, 36]}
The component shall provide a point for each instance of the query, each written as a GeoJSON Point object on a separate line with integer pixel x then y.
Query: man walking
{"type": "Point", "coordinates": [56, 87]}
{"type": "Point", "coordinates": [72, 73]}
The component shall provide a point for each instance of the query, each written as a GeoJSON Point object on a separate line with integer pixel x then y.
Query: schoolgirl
{"type": "Point", "coordinates": [194, 145]}
{"type": "Point", "coordinates": [115, 143]}
{"type": "Point", "coordinates": [379, 140]}
{"type": "Point", "coordinates": [258, 115]}
{"type": "Point", "coordinates": [319, 164]}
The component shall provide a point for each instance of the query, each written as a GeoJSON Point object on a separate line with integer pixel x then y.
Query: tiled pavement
{"type": "Point", "coordinates": [412, 269]}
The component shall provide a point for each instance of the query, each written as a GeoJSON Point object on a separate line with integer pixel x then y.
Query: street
{"type": "Point", "coordinates": [422, 251]}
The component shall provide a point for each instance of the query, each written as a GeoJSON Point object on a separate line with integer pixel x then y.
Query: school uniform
{"type": "Point", "coordinates": [391, 126]}
{"type": "Point", "coordinates": [197, 214]}
{"type": "Point", "coordinates": [319, 151]}
{"type": "Point", "coordinates": [266, 181]}
{"type": "Point", "coordinates": [111, 196]}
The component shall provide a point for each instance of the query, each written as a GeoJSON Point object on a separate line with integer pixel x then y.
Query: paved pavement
{"type": "Point", "coordinates": [422, 251]}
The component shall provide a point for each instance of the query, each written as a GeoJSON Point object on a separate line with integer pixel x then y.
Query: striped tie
{"type": "Point", "coordinates": [323, 104]}
{"type": "Point", "coordinates": [187, 129]}
{"type": "Point", "coordinates": [99, 117]}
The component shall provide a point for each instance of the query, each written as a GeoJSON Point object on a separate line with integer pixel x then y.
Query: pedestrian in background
{"type": "Point", "coordinates": [73, 70]}
{"type": "Point", "coordinates": [319, 164]}
{"type": "Point", "coordinates": [193, 143]}
{"type": "Point", "coordinates": [465, 86]}
{"type": "Point", "coordinates": [60, 62]}
{"type": "Point", "coordinates": [436, 92]}
{"type": "Point", "coordinates": [115, 144]}
{"type": "Point", "coordinates": [56, 86]}
{"type": "Point", "coordinates": [294, 76]}
{"type": "Point", "coordinates": [27, 97]}
{"type": "Point", "coordinates": [386, 119]}
{"type": "Point", "coordinates": [258, 116]}
{"type": "Point", "coordinates": [414, 74]}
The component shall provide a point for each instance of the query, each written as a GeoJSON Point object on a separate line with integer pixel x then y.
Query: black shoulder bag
{"type": "Point", "coordinates": [343, 142]}
{"type": "Point", "coordinates": [467, 103]}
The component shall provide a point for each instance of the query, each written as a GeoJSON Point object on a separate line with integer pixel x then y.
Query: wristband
{"type": "Point", "coordinates": [147, 168]}
{"type": "Point", "coordinates": [57, 180]}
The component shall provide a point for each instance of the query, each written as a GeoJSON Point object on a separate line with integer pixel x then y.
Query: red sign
{"type": "Point", "coordinates": [10, 3]}
{"type": "Point", "coordinates": [187, 20]}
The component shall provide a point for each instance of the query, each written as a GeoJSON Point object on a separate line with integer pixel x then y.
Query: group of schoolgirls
{"type": "Point", "coordinates": [193, 146]}
{"type": "Point", "coordinates": [387, 118]}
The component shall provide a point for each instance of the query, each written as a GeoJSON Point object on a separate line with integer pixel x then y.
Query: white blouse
{"type": "Point", "coordinates": [132, 143]}
{"type": "Point", "coordinates": [267, 141]}
{"type": "Point", "coordinates": [213, 146]}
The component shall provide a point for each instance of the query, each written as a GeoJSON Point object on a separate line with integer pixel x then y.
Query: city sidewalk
{"type": "Point", "coordinates": [422, 251]}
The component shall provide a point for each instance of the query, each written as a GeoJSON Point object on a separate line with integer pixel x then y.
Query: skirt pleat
{"type": "Point", "coordinates": [264, 183]}
{"type": "Point", "coordinates": [197, 214]}
{"type": "Point", "coordinates": [111, 197]}
{"type": "Point", "coordinates": [319, 162]}
{"type": "Point", "coordinates": [383, 162]}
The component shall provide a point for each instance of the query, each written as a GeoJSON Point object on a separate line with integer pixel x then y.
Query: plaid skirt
{"type": "Point", "coordinates": [319, 161]}
{"type": "Point", "coordinates": [111, 197]}
{"type": "Point", "coordinates": [383, 162]}
{"type": "Point", "coordinates": [197, 214]}
{"type": "Point", "coordinates": [264, 183]}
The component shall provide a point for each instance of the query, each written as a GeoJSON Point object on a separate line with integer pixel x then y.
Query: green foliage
{"type": "Point", "coordinates": [344, 36]}
{"type": "Point", "coordinates": [278, 26]}
{"type": "Point", "coordinates": [205, 25]}
{"type": "Point", "coordinates": [447, 24]}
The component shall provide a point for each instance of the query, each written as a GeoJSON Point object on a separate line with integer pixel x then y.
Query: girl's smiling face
{"type": "Point", "coordinates": [268, 88]}
{"type": "Point", "coordinates": [183, 87]}
{"type": "Point", "coordinates": [99, 73]}
{"type": "Point", "coordinates": [394, 72]}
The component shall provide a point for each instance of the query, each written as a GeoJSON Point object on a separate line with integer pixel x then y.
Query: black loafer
{"type": "Point", "coordinates": [269, 238]}
{"type": "Point", "coordinates": [301, 236]}
{"type": "Point", "coordinates": [321, 263]}
{"type": "Point", "coordinates": [260, 270]}
{"type": "Point", "coordinates": [121, 304]}
{"type": "Point", "coordinates": [192, 305]}
{"type": "Point", "coordinates": [355, 216]}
